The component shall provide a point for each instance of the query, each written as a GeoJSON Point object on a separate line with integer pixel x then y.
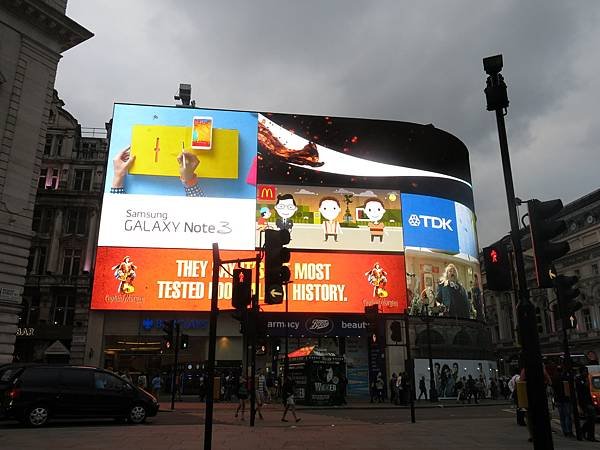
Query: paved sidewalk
{"type": "Point", "coordinates": [191, 402]}
{"type": "Point", "coordinates": [315, 431]}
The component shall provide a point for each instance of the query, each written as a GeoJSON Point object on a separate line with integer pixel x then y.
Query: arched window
{"type": "Point", "coordinates": [436, 338]}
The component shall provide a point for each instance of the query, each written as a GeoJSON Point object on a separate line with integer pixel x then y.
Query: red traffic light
{"type": "Point", "coordinates": [494, 256]}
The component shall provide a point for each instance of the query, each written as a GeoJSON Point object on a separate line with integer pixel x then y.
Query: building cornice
{"type": "Point", "coordinates": [65, 31]}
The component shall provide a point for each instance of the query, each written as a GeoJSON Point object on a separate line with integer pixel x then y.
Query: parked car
{"type": "Point", "coordinates": [35, 393]}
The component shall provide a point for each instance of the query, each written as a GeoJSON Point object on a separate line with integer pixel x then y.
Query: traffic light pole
{"type": "Point", "coordinates": [175, 364]}
{"type": "Point", "coordinates": [212, 343]}
{"type": "Point", "coordinates": [411, 368]}
{"type": "Point", "coordinates": [536, 387]}
{"type": "Point", "coordinates": [254, 327]}
{"type": "Point", "coordinates": [569, 369]}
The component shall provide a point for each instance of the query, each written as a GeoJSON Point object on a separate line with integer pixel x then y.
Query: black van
{"type": "Point", "coordinates": [35, 393]}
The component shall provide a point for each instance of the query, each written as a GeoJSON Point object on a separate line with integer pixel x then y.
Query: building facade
{"type": "Point", "coordinates": [583, 235]}
{"type": "Point", "coordinates": [53, 322]}
{"type": "Point", "coordinates": [33, 36]}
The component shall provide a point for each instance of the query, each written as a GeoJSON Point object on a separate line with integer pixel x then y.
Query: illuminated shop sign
{"type": "Point", "coordinates": [314, 325]}
{"type": "Point", "coordinates": [185, 324]}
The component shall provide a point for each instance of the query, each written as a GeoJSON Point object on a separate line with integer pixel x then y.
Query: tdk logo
{"type": "Point", "coordinates": [438, 223]}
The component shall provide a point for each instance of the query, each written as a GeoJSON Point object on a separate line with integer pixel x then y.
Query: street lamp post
{"type": "Point", "coordinates": [433, 396]}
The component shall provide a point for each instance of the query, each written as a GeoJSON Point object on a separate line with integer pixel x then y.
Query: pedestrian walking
{"type": "Point", "coordinates": [242, 395]}
{"type": "Point", "coordinates": [562, 400]}
{"type": "Point", "coordinates": [261, 395]}
{"type": "Point", "coordinates": [471, 389]}
{"type": "Point", "coordinates": [422, 388]}
{"type": "Point", "coordinates": [287, 392]}
{"type": "Point", "coordinates": [586, 405]}
{"type": "Point", "coordinates": [394, 389]}
{"type": "Point", "coordinates": [379, 386]}
{"type": "Point", "coordinates": [156, 385]}
{"type": "Point", "coordinates": [343, 386]}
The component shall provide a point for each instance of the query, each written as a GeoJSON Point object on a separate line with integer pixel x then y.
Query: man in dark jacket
{"type": "Point", "coordinates": [562, 400]}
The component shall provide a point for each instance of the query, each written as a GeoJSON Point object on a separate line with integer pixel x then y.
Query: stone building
{"type": "Point", "coordinates": [53, 322]}
{"type": "Point", "coordinates": [583, 235]}
{"type": "Point", "coordinates": [33, 36]}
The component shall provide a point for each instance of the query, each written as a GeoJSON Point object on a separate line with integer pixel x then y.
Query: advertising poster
{"type": "Point", "coordinates": [374, 154]}
{"type": "Point", "coordinates": [180, 178]}
{"type": "Point", "coordinates": [442, 269]}
{"type": "Point", "coordinates": [448, 372]}
{"type": "Point", "coordinates": [180, 280]}
{"type": "Point", "coordinates": [319, 217]}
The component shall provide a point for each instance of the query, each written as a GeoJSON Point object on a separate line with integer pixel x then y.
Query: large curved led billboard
{"type": "Point", "coordinates": [379, 212]}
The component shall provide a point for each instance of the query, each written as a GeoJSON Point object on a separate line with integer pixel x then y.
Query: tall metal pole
{"type": "Point", "coordinates": [569, 369]}
{"type": "Point", "coordinates": [411, 367]}
{"type": "Point", "coordinates": [174, 371]}
{"type": "Point", "coordinates": [254, 327]}
{"type": "Point", "coordinates": [536, 387]}
{"type": "Point", "coordinates": [286, 360]}
{"type": "Point", "coordinates": [212, 344]}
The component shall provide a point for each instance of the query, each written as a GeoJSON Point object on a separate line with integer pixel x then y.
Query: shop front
{"type": "Point", "coordinates": [133, 342]}
{"type": "Point", "coordinates": [342, 337]}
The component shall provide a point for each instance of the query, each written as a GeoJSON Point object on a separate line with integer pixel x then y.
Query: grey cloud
{"type": "Point", "coordinates": [411, 61]}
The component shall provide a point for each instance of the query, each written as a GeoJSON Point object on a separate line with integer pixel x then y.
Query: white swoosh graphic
{"type": "Point", "coordinates": [336, 162]}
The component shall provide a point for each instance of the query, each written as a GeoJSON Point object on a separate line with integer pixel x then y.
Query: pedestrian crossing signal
{"type": "Point", "coordinates": [241, 295]}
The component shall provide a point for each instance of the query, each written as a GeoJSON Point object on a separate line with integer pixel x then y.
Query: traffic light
{"type": "Point", "coordinates": [241, 295]}
{"type": "Point", "coordinates": [498, 267]}
{"type": "Point", "coordinates": [567, 294]}
{"type": "Point", "coordinates": [543, 228]}
{"type": "Point", "coordinates": [396, 331]}
{"type": "Point", "coordinates": [276, 274]}
{"type": "Point", "coordinates": [168, 329]}
{"type": "Point", "coordinates": [184, 341]}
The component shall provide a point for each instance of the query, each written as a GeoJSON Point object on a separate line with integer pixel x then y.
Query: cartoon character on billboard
{"type": "Point", "coordinates": [286, 208]}
{"type": "Point", "coordinates": [330, 209]}
{"type": "Point", "coordinates": [263, 220]}
{"type": "Point", "coordinates": [375, 210]}
{"type": "Point", "coordinates": [377, 277]}
{"type": "Point", "coordinates": [125, 272]}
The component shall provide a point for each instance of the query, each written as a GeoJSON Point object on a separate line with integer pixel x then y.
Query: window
{"type": "Point", "coordinates": [50, 179]}
{"type": "Point", "coordinates": [76, 378]}
{"type": "Point", "coordinates": [76, 221]}
{"type": "Point", "coordinates": [37, 260]}
{"type": "Point", "coordinates": [30, 313]}
{"type": "Point", "coordinates": [63, 310]}
{"type": "Point", "coordinates": [42, 218]}
{"type": "Point", "coordinates": [595, 269]}
{"type": "Point", "coordinates": [39, 377]}
{"type": "Point", "coordinates": [48, 146]}
{"type": "Point", "coordinates": [42, 178]}
{"type": "Point", "coordinates": [71, 261]}
{"type": "Point", "coordinates": [587, 319]}
{"type": "Point", "coordinates": [107, 381]}
{"type": "Point", "coordinates": [83, 180]}
{"type": "Point", "coordinates": [59, 144]}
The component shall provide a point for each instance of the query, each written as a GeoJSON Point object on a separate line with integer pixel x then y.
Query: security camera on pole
{"type": "Point", "coordinates": [497, 100]}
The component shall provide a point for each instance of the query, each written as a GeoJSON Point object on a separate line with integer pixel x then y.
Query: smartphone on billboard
{"type": "Point", "coordinates": [202, 128]}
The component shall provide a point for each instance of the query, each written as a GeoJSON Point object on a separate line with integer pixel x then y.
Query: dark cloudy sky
{"type": "Point", "coordinates": [415, 61]}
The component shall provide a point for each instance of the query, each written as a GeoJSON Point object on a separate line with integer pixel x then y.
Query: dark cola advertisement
{"type": "Point", "coordinates": [347, 152]}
